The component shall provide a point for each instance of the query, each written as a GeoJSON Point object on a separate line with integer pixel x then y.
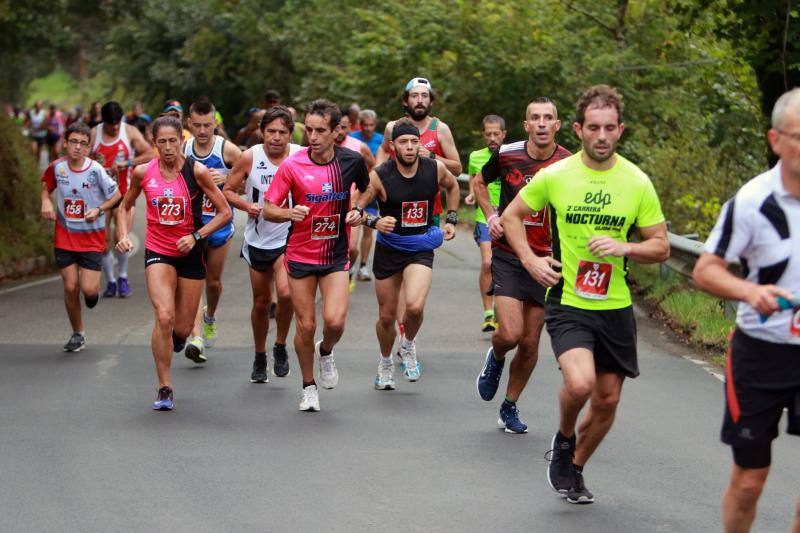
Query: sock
{"type": "Point", "coordinates": [108, 267]}
{"type": "Point", "coordinates": [122, 264]}
{"type": "Point", "coordinates": [363, 264]}
{"type": "Point", "coordinates": [261, 355]}
{"type": "Point", "coordinates": [322, 351]}
{"type": "Point", "coordinates": [208, 319]}
{"type": "Point", "coordinates": [279, 345]}
{"type": "Point", "coordinates": [309, 383]}
{"type": "Point", "coordinates": [488, 313]}
{"type": "Point", "coordinates": [91, 301]}
{"type": "Point", "coordinates": [561, 438]}
{"type": "Point", "coordinates": [578, 469]}
{"type": "Point", "coordinates": [405, 343]}
{"type": "Point", "coordinates": [509, 401]}
{"type": "Point", "coordinates": [386, 360]}
{"type": "Point", "coordinates": [81, 333]}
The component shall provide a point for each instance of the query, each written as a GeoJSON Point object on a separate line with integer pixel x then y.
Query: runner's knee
{"type": "Point", "coordinates": [580, 389]}
{"type": "Point", "coordinates": [165, 319]}
{"type": "Point", "coordinates": [749, 483]}
{"type": "Point", "coordinates": [334, 324]}
{"type": "Point", "coordinates": [306, 327]}
{"type": "Point", "coordinates": [605, 403]}
{"type": "Point", "coordinates": [415, 309]}
{"type": "Point", "coordinates": [214, 284]}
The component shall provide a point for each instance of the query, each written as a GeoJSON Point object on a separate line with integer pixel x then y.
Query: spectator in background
{"type": "Point", "coordinates": [36, 122]}
{"type": "Point", "coordinates": [368, 120]}
{"type": "Point", "coordinates": [354, 112]}
{"type": "Point", "coordinates": [138, 118]}
{"type": "Point", "coordinates": [94, 118]}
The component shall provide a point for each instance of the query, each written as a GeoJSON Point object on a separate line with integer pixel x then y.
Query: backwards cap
{"type": "Point", "coordinates": [419, 82]}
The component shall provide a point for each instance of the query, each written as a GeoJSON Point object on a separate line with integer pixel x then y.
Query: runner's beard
{"type": "Point", "coordinates": [418, 115]}
{"type": "Point", "coordinates": [402, 163]}
{"type": "Point", "coordinates": [601, 158]}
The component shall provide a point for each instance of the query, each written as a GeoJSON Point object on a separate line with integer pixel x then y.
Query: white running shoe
{"type": "Point", "coordinates": [412, 369]}
{"type": "Point", "coordinates": [363, 274]}
{"type": "Point", "coordinates": [310, 400]}
{"type": "Point", "coordinates": [328, 375]}
{"type": "Point", "coordinates": [384, 380]}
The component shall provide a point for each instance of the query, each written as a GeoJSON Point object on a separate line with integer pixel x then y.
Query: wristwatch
{"type": "Point", "coordinates": [432, 155]}
{"type": "Point", "coordinates": [100, 211]}
{"type": "Point", "coordinates": [197, 236]}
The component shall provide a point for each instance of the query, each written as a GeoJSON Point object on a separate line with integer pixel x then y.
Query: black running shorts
{"type": "Point", "coordinates": [259, 259]}
{"type": "Point", "coordinates": [509, 278]}
{"type": "Point", "coordinates": [761, 379]}
{"type": "Point", "coordinates": [86, 260]}
{"type": "Point", "coordinates": [302, 270]}
{"type": "Point", "coordinates": [386, 261]}
{"type": "Point", "coordinates": [190, 266]}
{"type": "Point", "coordinates": [610, 335]}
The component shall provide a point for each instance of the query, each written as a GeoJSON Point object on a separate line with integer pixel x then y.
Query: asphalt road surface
{"type": "Point", "coordinates": [81, 450]}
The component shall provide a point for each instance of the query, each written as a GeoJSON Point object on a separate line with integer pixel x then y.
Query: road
{"type": "Point", "coordinates": [80, 449]}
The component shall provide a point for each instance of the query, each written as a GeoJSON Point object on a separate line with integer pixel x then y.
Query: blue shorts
{"type": "Point", "coordinates": [481, 233]}
{"type": "Point", "coordinates": [221, 236]}
{"type": "Point", "coordinates": [372, 209]}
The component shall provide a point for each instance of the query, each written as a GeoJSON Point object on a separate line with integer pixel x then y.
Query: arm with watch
{"type": "Point", "coordinates": [97, 212]}
{"type": "Point", "coordinates": [453, 195]}
{"type": "Point", "coordinates": [374, 190]}
{"type": "Point", "coordinates": [223, 216]}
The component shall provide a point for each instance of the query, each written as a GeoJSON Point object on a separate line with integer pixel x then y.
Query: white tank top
{"type": "Point", "coordinates": [123, 136]}
{"type": "Point", "coordinates": [259, 232]}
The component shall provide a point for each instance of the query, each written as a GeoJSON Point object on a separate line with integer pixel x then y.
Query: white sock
{"type": "Point", "coordinates": [386, 360]}
{"type": "Point", "coordinates": [108, 266]}
{"type": "Point", "coordinates": [406, 344]}
{"type": "Point", "coordinates": [122, 263]}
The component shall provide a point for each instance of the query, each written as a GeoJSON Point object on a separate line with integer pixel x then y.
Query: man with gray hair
{"type": "Point", "coordinates": [368, 120]}
{"type": "Point", "coordinates": [760, 227]}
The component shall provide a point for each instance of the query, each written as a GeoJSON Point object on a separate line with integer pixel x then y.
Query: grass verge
{"type": "Point", "coordinates": [697, 316]}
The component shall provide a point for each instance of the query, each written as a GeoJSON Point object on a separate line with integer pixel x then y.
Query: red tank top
{"type": "Point", "coordinates": [170, 209]}
{"type": "Point", "coordinates": [118, 150]}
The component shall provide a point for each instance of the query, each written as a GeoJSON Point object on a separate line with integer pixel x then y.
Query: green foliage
{"type": "Point", "coordinates": [22, 233]}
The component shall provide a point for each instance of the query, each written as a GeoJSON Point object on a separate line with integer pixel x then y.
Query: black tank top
{"type": "Point", "coordinates": [409, 200]}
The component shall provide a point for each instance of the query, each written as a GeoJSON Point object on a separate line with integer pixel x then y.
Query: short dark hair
{"type": "Point", "coordinates": [167, 121]}
{"type": "Point", "coordinates": [542, 100]}
{"type": "Point", "coordinates": [600, 96]}
{"type": "Point", "coordinates": [202, 106]}
{"type": "Point", "coordinates": [78, 127]}
{"type": "Point", "coordinates": [493, 119]}
{"type": "Point", "coordinates": [272, 96]}
{"type": "Point", "coordinates": [278, 112]}
{"type": "Point", "coordinates": [324, 107]}
{"type": "Point", "coordinates": [111, 112]}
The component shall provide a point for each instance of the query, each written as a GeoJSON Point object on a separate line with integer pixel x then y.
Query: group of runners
{"type": "Point", "coordinates": [555, 240]}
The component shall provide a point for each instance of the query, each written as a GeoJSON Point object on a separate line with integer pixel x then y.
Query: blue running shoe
{"type": "Point", "coordinates": [163, 400]}
{"type": "Point", "coordinates": [111, 290]}
{"type": "Point", "coordinates": [489, 378]}
{"type": "Point", "coordinates": [509, 419]}
{"type": "Point", "coordinates": [124, 288]}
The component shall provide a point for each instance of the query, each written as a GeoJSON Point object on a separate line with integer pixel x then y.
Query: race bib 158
{"type": "Point", "coordinates": [74, 209]}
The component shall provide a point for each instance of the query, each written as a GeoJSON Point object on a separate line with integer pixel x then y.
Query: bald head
{"type": "Point", "coordinates": [788, 104]}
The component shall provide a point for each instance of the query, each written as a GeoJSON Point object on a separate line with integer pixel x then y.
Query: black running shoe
{"type": "Point", "coordinates": [76, 343]}
{"type": "Point", "coordinates": [560, 471]}
{"type": "Point", "coordinates": [177, 344]}
{"type": "Point", "coordinates": [280, 361]}
{"type": "Point", "coordinates": [578, 493]}
{"type": "Point", "coordinates": [272, 308]}
{"type": "Point", "coordinates": [259, 373]}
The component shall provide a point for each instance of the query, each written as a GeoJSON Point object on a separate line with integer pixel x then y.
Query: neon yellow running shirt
{"type": "Point", "coordinates": [584, 203]}
{"type": "Point", "coordinates": [477, 159]}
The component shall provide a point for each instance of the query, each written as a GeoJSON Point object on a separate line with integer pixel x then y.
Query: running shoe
{"type": "Point", "coordinates": [385, 378]}
{"type": "Point", "coordinates": [164, 400]}
{"type": "Point", "coordinates": [328, 374]}
{"type": "Point", "coordinates": [489, 323]}
{"type": "Point", "coordinates": [194, 350]}
{"type": "Point", "coordinates": [76, 343]}
{"type": "Point", "coordinates": [509, 419]}
{"type": "Point", "coordinates": [363, 274]}
{"type": "Point", "coordinates": [489, 378]}
{"type": "Point", "coordinates": [124, 288]}
{"type": "Point", "coordinates": [272, 308]}
{"type": "Point", "coordinates": [578, 493]}
{"type": "Point", "coordinates": [259, 373]}
{"type": "Point", "coordinates": [560, 471]}
{"type": "Point", "coordinates": [310, 399]}
{"type": "Point", "coordinates": [111, 290]}
{"type": "Point", "coordinates": [412, 369]}
{"type": "Point", "coordinates": [209, 330]}
{"type": "Point", "coordinates": [352, 284]}
{"type": "Point", "coordinates": [280, 361]}
{"type": "Point", "coordinates": [177, 344]}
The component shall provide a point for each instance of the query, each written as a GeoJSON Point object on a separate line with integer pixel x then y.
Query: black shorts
{"type": "Point", "coordinates": [303, 270]}
{"type": "Point", "coordinates": [387, 261]}
{"type": "Point", "coordinates": [190, 266]}
{"type": "Point", "coordinates": [87, 260]}
{"type": "Point", "coordinates": [509, 278]}
{"type": "Point", "coordinates": [609, 334]}
{"type": "Point", "coordinates": [761, 379]}
{"type": "Point", "coordinates": [259, 259]}
{"type": "Point", "coordinates": [38, 140]}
